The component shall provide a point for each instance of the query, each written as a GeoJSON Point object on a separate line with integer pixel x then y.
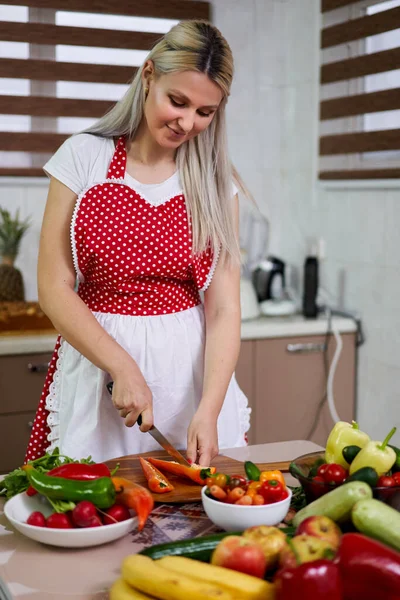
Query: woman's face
{"type": "Point", "coordinates": [179, 106]}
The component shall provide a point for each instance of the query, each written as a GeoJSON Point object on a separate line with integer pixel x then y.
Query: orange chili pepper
{"type": "Point", "coordinates": [277, 475]}
{"type": "Point", "coordinates": [134, 496]}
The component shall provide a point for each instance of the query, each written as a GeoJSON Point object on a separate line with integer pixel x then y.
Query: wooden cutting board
{"type": "Point", "coordinates": [185, 490]}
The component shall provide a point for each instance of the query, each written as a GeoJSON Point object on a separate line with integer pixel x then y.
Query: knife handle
{"type": "Point", "coordinates": [110, 386]}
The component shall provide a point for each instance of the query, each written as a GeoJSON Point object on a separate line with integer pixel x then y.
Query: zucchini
{"type": "Point", "coordinates": [377, 520]}
{"type": "Point", "coordinates": [336, 504]}
{"type": "Point", "coordinates": [197, 548]}
{"type": "Point", "coordinates": [367, 474]}
{"type": "Point", "coordinates": [350, 452]}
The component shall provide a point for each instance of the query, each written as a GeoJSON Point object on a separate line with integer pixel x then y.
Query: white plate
{"type": "Point", "coordinates": [18, 509]}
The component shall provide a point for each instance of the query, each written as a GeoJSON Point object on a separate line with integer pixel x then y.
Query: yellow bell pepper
{"type": "Point", "coordinates": [269, 475]}
{"type": "Point", "coordinates": [377, 455]}
{"type": "Point", "coordinates": [344, 434]}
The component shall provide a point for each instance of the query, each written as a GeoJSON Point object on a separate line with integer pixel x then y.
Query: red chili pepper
{"type": "Point", "coordinates": [77, 471]}
{"type": "Point", "coordinates": [271, 491]}
{"type": "Point", "coordinates": [369, 570]}
{"type": "Point", "coordinates": [316, 579]}
{"type": "Point", "coordinates": [386, 481]}
{"type": "Point", "coordinates": [157, 482]}
{"type": "Point", "coordinates": [134, 496]}
{"type": "Point", "coordinates": [195, 472]}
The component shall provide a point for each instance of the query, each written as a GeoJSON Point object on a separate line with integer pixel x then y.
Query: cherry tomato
{"type": "Point", "coordinates": [322, 470]}
{"type": "Point", "coordinates": [37, 519]}
{"type": "Point", "coordinates": [396, 477]}
{"type": "Point", "coordinates": [237, 481]}
{"type": "Point", "coordinates": [319, 489]}
{"type": "Point", "coordinates": [335, 474]}
{"type": "Point", "coordinates": [385, 481]}
{"type": "Point", "coordinates": [221, 480]}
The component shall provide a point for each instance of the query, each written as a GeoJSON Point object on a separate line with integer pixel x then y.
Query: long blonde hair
{"type": "Point", "coordinates": [203, 163]}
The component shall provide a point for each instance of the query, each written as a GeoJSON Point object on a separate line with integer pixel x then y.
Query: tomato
{"type": "Point", "coordinates": [37, 519]}
{"type": "Point", "coordinates": [385, 481]}
{"type": "Point", "coordinates": [221, 480]}
{"type": "Point", "coordinates": [335, 474]}
{"type": "Point", "coordinates": [237, 481]}
{"type": "Point", "coordinates": [116, 513]}
{"type": "Point", "coordinates": [319, 488]}
{"type": "Point", "coordinates": [322, 470]}
{"type": "Point", "coordinates": [396, 477]}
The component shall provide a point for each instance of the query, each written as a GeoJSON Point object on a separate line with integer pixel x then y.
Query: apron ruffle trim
{"type": "Point", "coordinates": [53, 403]}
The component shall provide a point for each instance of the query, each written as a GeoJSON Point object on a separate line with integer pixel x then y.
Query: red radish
{"type": "Point", "coordinates": [117, 512]}
{"type": "Point", "coordinates": [95, 522]}
{"type": "Point", "coordinates": [37, 519]}
{"type": "Point", "coordinates": [84, 513]}
{"type": "Point", "coordinates": [59, 521]}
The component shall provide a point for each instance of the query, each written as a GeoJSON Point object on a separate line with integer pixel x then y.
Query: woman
{"type": "Point", "coordinates": [142, 211]}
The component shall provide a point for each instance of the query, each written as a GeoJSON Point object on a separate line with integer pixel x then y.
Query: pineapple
{"type": "Point", "coordinates": [11, 233]}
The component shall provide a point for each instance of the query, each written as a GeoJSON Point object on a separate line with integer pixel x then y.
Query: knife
{"type": "Point", "coordinates": [159, 437]}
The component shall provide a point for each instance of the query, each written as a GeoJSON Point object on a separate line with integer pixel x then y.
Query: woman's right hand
{"type": "Point", "coordinates": [132, 397]}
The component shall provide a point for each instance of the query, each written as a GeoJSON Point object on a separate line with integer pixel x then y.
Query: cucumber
{"type": "Point", "coordinates": [336, 504]}
{"type": "Point", "coordinates": [367, 474]}
{"type": "Point", "coordinates": [350, 452]}
{"type": "Point", "coordinates": [196, 548]}
{"type": "Point", "coordinates": [377, 520]}
{"type": "Point", "coordinates": [396, 466]}
{"type": "Point", "coordinates": [252, 471]}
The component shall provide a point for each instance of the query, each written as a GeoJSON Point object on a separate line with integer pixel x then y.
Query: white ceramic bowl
{"type": "Point", "coordinates": [234, 517]}
{"type": "Point", "coordinates": [18, 509]}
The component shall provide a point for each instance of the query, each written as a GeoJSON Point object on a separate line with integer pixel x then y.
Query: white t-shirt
{"type": "Point", "coordinates": [83, 161]}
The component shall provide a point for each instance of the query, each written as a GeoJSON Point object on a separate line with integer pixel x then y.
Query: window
{"type": "Point", "coordinates": [62, 68]}
{"type": "Point", "coordinates": [360, 89]}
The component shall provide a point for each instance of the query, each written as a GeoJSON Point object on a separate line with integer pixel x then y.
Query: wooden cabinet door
{"type": "Point", "coordinates": [21, 381]}
{"type": "Point", "coordinates": [245, 375]}
{"type": "Point", "coordinates": [15, 431]}
{"type": "Point", "coordinates": [290, 387]}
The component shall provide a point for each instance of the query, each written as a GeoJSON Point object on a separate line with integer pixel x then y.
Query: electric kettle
{"type": "Point", "coordinates": [269, 279]}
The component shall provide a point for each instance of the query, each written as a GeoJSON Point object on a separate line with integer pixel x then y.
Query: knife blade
{"type": "Point", "coordinates": [160, 438]}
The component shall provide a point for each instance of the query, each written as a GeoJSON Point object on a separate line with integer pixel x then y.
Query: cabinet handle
{"type": "Point", "coordinates": [305, 348]}
{"type": "Point", "coordinates": [34, 368]}
{"type": "Point", "coordinates": [30, 424]}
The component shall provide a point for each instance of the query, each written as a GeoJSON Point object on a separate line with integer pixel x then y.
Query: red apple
{"type": "Point", "coordinates": [304, 548]}
{"type": "Point", "coordinates": [240, 554]}
{"type": "Point", "coordinates": [321, 527]}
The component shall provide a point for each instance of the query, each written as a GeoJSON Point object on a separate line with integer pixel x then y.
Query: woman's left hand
{"type": "Point", "coordinates": [202, 438]}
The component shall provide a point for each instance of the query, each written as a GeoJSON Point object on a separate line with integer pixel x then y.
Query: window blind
{"type": "Point", "coordinates": [348, 147]}
{"type": "Point", "coordinates": [44, 70]}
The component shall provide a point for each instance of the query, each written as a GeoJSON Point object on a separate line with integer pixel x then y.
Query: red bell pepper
{"type": "Point", "coordinates": [77, 471]}
{"type": "Point", "coordinates": [316, 579]}
{"type": "Point", "coordinates": [134, 496]}
{"type": "Point", "coordinates": [195, 472]}
{"type": "Point", "coordinates": [271, 491]}
{"type": "Point", "coordinates": [157, 482]}
{"type": "Point", "coordinates": [369, 569]}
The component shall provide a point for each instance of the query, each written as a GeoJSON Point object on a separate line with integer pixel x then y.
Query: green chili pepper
{"type": "Point", "coordinates": [100, 491]}
{"type": "Point", "coordinates": [252, 471]}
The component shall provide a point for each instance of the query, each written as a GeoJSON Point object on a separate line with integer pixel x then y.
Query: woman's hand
{"type": "Point", "coordinates": [202, 438]}
{"type": "Point", "coordinates": [132, 397]}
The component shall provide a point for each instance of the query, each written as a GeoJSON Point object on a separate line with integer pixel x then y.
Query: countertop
{"type": "Point", "coordinates": [260, 328]}
{"type": "Point", "coordinates": [33, 571]}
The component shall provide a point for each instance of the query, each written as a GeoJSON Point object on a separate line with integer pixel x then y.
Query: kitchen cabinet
{"type": "Point", "coordinates": [21, 381]}
{"type": "Point", "coordinates": [285, 381]}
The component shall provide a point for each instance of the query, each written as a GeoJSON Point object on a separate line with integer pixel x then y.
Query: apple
{"type": "Point", "coordinates": [321, 527]}
{"type": "Point", "coordinates": [304, 548]}
{"type": "Point", "coordinates": [270, 539]}
{"type": "Point", "coordinates": [239, 554]}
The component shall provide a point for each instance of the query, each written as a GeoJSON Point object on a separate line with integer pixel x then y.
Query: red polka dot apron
{"type": "Point", "coordinates": [136, 273]}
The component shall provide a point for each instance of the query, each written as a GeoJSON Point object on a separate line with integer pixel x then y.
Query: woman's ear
{"type": "Point", "coordinates": [147, 73]}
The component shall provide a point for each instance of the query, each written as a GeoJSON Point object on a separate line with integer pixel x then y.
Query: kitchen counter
{"type": "Point", "coordinates": [261, 328]}
{"type": "Point", "coordinates": [34, 571]}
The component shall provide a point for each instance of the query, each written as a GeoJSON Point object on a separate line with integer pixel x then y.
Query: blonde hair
{"type": "Point", "coordinates": [203, 163]}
